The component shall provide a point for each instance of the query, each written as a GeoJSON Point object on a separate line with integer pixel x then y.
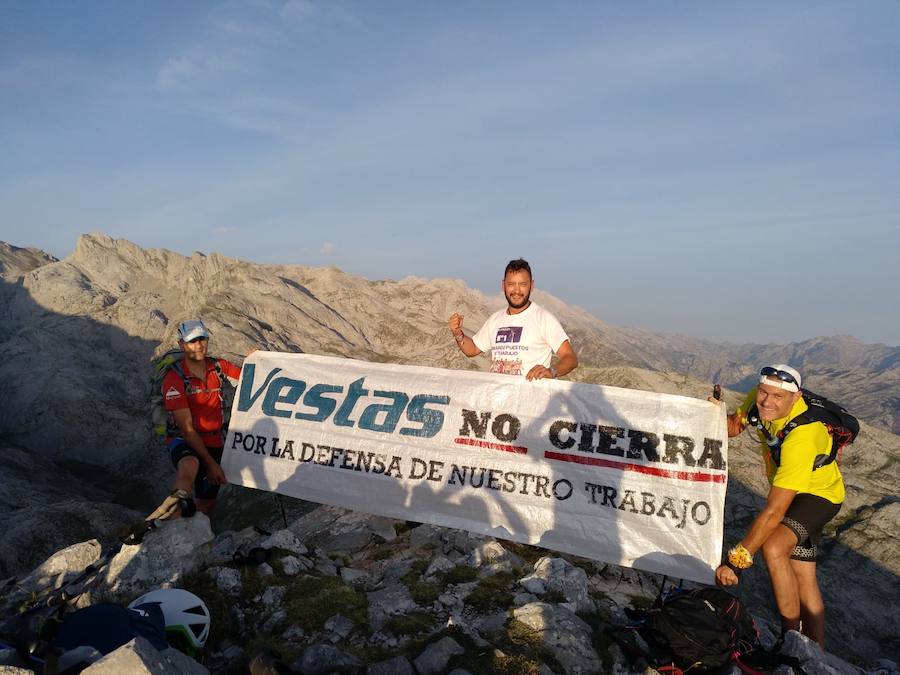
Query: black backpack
{"type": "Point", "coordinates": [842, 426]}
{"type": "Point", "coordinates": [107, 626]}
{"type": "Point", "coordinates": [704, 628]}
{"type": "Point", "coordinates": [700, 629]}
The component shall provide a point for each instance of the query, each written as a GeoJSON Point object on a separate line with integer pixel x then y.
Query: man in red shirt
{"type": "Point", "coordinates": [194, 435]}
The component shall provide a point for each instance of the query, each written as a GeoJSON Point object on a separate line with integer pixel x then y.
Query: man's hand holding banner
{"type": "Point", "coordinates": [629, 477]}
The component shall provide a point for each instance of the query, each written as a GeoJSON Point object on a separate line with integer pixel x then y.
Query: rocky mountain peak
{"type": "Point", "coordinates": [16, 262]}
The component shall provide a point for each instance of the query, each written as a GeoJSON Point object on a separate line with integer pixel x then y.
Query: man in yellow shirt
{"type": "Point", "coordinates": [801, 501]}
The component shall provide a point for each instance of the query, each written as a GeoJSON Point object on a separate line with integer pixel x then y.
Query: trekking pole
{"type": "Point", "coordinates": [281, 506]}
{"type": "Point", "coordinates": [662, 588]}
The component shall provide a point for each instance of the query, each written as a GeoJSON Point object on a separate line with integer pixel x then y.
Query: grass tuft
{"type": "Point", "coordinates": [410, 624]}
{"type": "Point", "coordinates": [310, 601]}
{"type": "Point", "coordinates": [492, 592]}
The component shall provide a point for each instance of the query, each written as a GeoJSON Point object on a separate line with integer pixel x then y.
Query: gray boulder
{"type": "Point", "coordinates": [139, 657]}
{"type": "Point", "coordinates": [436, 656]}
{"type": "Point", "coordinates": [287, 540]}
{"type": "Point", "coordinates": [399, 665]}
{"type": "Point", "coordinates": [563, 634]}
{"type": "Point", "coordinates": [62, 567]}
{"type": "Point", "coordinates": [388, 602]}
{"type": "Point", "coordinates": [558, 574]}
{"type": "Point", "coordinates": [321, 659]}
{"type": "Point", "coordinates": [166, 554]}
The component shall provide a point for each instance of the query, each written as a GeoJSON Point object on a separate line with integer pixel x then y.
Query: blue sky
{"type": "Point", "coordinates": [722, 170]}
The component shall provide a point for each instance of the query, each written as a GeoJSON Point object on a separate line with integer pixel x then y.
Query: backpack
{"type": "Point", "coordinates": [162, 422]}
{"type": "Point", "coordinates": [106, 627]}
{"type": "Point", "coordinates": [701, 629]}
{"type": "Point", "coordinates": [842, 426]}
{"type": "Point", "coordinates": [704, 627]}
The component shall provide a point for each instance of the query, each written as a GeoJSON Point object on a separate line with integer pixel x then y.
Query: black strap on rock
{"type": "Point", "coordinates": [134, 534]}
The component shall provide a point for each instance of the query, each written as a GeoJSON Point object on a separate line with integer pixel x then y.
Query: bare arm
{"type": "Point", "coordinates": [464, 342]}
{"type": "Point", "coordinates": [566, 364]}
{"type": "Point", "coordinates": [736, 421]}
{"type": "Point", "coordinates": [762, 528]}
{"type": "Point", "coordinates": [736, 424]}
{"type": "Point", "coordinates": [568, 361]}
{"type": "Point", "coordinates": [769, 518]}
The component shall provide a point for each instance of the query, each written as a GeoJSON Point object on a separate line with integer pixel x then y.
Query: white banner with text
{"type": "Point", "coordinates": [629, 477]}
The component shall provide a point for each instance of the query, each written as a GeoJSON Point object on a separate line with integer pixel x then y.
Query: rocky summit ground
{"type": "Point", "coordinates": [342, 592]}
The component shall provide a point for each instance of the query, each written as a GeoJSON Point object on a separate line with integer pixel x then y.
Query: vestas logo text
{"type": "Point", "coordinates": [281, 397]}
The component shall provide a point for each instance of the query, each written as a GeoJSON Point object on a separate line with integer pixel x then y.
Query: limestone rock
{"type": "Point", "coordinates": [436, 655]}
{"type": "Point", "coordinates": [287, 540]}
{"type": "Point", "coordinates": [388, 602]}
{"type": "Point", "coordinates": [228, 580]}
{"type": "Point", "coordinates": [292, 566]}
{"type": "Point", "coordinates": [558, 574]}
{"type": "Point", "coordinates": [339, 625]}
{"type": "Point", "coordinates": [399, 665]}
{"type": "Point", "coordinates": [563, 634]}
{"type": "Point", "coordinates": [139, 657]}
{"type": "Point", "coordinates": [321, 659]}
{"type": "Point", "coordinates": [164, 556]}
{"type": "Point", "coordinates": [36, 530]}
{"type": "Point", "coordinates": [62, 567]}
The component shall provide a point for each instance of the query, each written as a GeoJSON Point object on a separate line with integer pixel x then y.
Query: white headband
{"type": "Point", "coordinates": [773, 381]}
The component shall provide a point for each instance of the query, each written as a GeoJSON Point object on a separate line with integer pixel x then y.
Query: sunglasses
{"type": "Point", "coordinates": [769, 371]}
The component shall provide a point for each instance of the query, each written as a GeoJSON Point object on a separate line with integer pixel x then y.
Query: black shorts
{"type": "Point", "coordinates": [805, 517]}
{"type": "Point", "coordinates": [203, 489]}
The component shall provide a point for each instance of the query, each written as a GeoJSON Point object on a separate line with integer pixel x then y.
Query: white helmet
{"type": "Point", "coordinates": [186, 615]}
{"type": "Point", "coordinates": [191, 330]}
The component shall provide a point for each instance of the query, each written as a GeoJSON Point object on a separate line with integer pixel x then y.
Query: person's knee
{"type": "Point", "coordinates": [779, 545]}
{"type": "Point", "coordinates": [188, 465]}
{"type": "Point", "coordinates": [776, 549]}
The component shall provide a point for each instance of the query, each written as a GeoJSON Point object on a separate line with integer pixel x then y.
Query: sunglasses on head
{"type": "Point", "coordinates": [769, 371]}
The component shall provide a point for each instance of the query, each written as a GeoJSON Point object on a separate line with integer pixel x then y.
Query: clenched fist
{"type": "Point", "coordinates": [455, 323]}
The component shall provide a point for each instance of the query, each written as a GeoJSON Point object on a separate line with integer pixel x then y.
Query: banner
{"type": "Point", "coordinates": [623, 476]}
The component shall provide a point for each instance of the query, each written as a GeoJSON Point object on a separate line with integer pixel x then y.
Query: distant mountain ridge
{"type": "Point", "coordinates": [864, 377]}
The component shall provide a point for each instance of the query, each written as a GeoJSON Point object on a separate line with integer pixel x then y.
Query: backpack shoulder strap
{"type": "Point", "coordinates": [223, 382]}
{"type": "Point", "coordinates": [841, 425]}
{"type": "Point", "coordinates": [184, 376]}
{"type": "Point", "coordinates": [816, 411]}
{"type": "Point", "coordinates": [171, 360]}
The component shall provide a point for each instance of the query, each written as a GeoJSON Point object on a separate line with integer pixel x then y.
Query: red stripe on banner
{"type": "Point", "coordinates": [518, 449]}
{"type": "Point", "coordinates": [695, 476]}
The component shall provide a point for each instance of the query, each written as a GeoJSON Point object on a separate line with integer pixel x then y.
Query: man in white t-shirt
{"type": "Point", "coordinates": [523, 337]}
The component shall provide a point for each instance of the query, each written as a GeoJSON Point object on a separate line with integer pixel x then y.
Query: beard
{"type": "Point", "coordinates": [518, 305]}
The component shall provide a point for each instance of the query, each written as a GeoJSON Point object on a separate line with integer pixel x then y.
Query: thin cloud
{"type": "Point", "coordinates": [328, 248]}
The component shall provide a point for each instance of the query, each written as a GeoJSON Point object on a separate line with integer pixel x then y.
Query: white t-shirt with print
{"type": "Point", "coordinates": [518, 342]}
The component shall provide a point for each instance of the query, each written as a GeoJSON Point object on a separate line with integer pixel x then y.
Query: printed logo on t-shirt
{"type": "Point", "coordinates": [508, 334]}
{"type": "Point", "coordinates": [172, 393]}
